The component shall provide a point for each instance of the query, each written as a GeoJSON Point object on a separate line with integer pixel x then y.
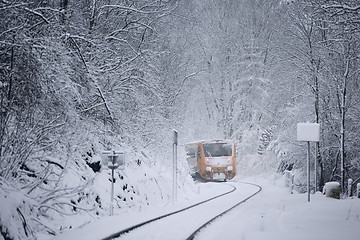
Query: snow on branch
{"type": "Point", "coordinates": [13, 6]}
{"type": "Point", "coordinates": [87, 40]}
{"type": "Point", "coordinates": [129, 9]}
{"type": "Point", "coordinates": [37, 14]}
{"type": "Point", "coordinates": [343, 7]}
{"type": "Point", "coordinates": [113, 67]}
{"type": "Point", "coordinates": [52, 207]}
{"type": "Point", "coordinates": [124, 41]}
{"type": "Point", "coordinates": [11, 30]}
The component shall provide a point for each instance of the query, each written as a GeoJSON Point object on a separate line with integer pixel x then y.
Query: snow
{"type": "Point", "coordinates": [15, 207]}
{"type": "Point", "coordinates": [330, 185]}
{"type": "Point", "coordinates": [272, 214]}
{"type": "Point", "coordinates": [332, 189]}
{"type": "Point", "coordinates": [111, 224]}
{"type": "Point", "coordinates": [277, 214]}
{"type": "Point", "coordinates": [185, 223]}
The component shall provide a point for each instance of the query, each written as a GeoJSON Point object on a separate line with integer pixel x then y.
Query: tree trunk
{"type": "Point", "coordinates": [342, 127]}
{"type": "Point", "coordinates": [63, 6]}
{"type": "Point", "coordinates": [320, 183]}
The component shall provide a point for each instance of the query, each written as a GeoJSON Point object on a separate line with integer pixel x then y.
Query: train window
{"type": "Point", "coordinates": [217, 149]}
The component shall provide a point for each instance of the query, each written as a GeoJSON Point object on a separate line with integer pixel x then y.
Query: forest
{"type": "Point", "coordinates": [78, 77]}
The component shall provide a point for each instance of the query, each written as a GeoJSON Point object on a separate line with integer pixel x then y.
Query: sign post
{"type": "Point", "coordinates": [175, 143]}
{"type": "Point", "coordinates": [308, 132]}
{"type": "Point", "coordinates": [112, 160]}
{"type": "Point", "coordinates": [308, 170]}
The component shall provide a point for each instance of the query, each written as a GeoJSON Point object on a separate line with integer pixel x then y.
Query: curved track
{"type": "Point", "coordinates": [192, 236]}
{"type": "Point", "coordinates": [118, 234]}
{"type": "Point", "coordinates": [219, 205]}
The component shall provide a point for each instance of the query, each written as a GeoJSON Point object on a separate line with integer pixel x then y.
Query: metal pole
{"type": "Point", "coordinates": [316, 158]}
{"type": "Point", "coordinates": [308, 170]}
{"type": "Point", "coordinates": [112, 185]}
{"type": "Point", "coordinates": [175, 172]}
{"type": "Point", "coordinates": [350, 182]}
{"type": "Point", "coordinates": [175, 142]}
{"type": "Point", "coordinates": [112, 192]}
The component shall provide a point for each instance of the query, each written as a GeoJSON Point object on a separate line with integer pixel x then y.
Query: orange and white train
{"type": "Point", "coordinates": [212, 160]}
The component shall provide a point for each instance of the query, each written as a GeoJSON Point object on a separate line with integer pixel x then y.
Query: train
{"type": "Point", "coordinates": [211, 160]}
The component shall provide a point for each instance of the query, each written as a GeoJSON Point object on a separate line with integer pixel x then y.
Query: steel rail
{"type": "Point", "coordinates": [192, 236]}
{"type": "Point", "coordinates": [131, 228]}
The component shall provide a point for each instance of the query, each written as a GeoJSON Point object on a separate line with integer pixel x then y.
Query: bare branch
{"type": "Point", "coordinates": [37, 14]}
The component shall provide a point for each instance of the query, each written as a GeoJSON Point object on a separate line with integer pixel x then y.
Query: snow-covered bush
{"type": "Point", "coordinates": [18, 213]}
{"type": "Point", "coordinates": [332, 189]}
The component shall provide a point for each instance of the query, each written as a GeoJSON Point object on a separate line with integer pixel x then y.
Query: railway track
{"type": "Point", "coordinates": [192, 236]}
{"type": "Point", "coordinates": [193, 211]}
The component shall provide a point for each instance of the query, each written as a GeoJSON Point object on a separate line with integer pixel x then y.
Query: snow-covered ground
{"type": "Point", "coordinates": [276, 214]}
{"type": "Point", "coordinates": [272, 214]}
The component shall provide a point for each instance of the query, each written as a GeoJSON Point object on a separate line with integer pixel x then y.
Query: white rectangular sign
{"type": "Point", "coordinates": [113, 159]}
{"type": "Point", "coordinates": [308, 132]}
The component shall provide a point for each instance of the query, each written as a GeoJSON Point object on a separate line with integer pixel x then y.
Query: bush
{"type": "Point", "coordinates": [332, 189]}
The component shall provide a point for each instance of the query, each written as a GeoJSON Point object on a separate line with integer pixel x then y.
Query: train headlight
{"type": "Point", "coordinates": [208, 169]}
{"type": "Point", "coordinates": [229, 168]}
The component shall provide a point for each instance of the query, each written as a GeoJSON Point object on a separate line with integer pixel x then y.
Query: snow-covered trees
{"type": "Point", "coordinates": [231, 44]}
{"type": "Point", "coordinates": [343, 42]}
{"type": "Point", "coordinates": [78, 76]}
{"type": "Point", "coordinates": [66, 61]}
{"type": "Point", "coordinates": [326, 53]}
{"type": "Point", "coordinates": [271, 64]}
{"type": "Point", "coordinates": [75, 77]}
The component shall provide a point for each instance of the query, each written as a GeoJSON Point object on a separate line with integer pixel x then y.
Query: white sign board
{"type": "Point", "coordinates": [308, 132]}
{"type": "Point", "coordinates": [113, 159]}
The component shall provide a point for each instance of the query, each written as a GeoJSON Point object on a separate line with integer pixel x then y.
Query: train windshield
{"type": "Point", "coordinates": [217, 149]}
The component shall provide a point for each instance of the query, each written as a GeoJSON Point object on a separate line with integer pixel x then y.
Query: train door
{"type": "Point", "coordinates": [192, 158]}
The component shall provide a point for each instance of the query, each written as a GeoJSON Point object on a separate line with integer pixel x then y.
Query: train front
{"type": "Point", "coordinates": [220, 160]}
